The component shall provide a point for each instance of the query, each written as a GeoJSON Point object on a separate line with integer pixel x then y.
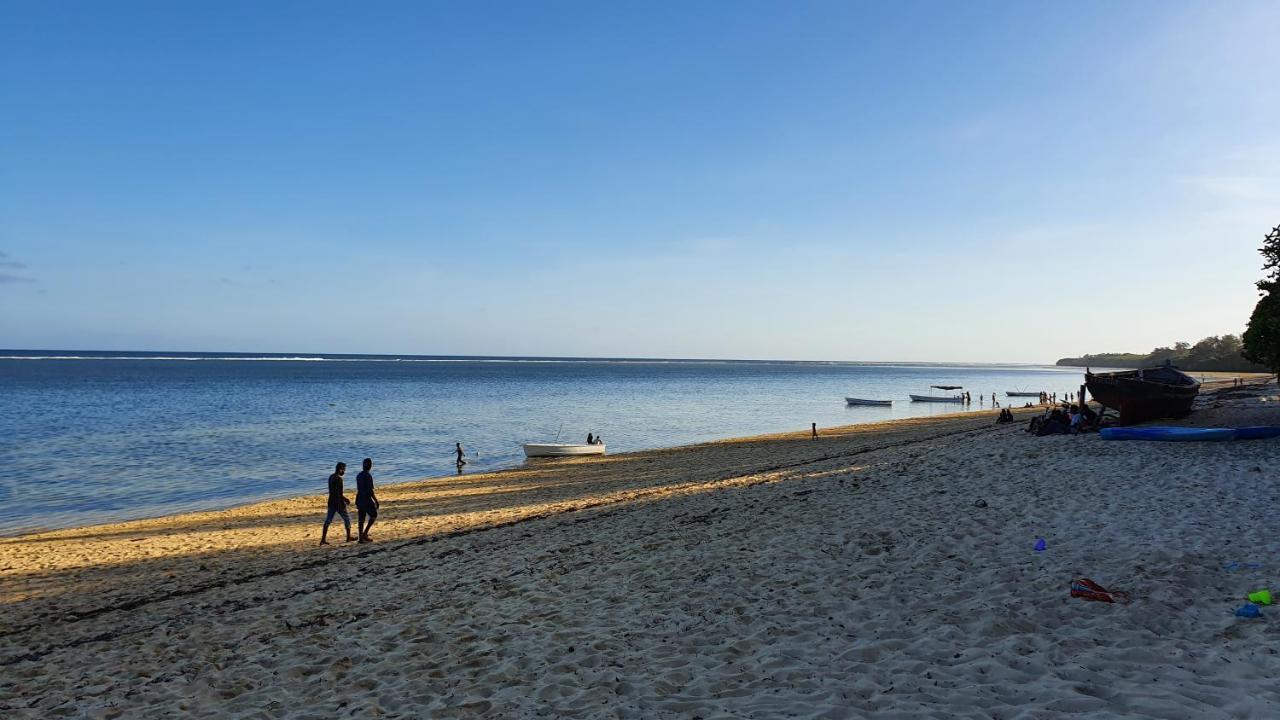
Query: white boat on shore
{"type": "Point", "coordinates": [860, 401]}
{"type": "Point", "coordinates": [535, 450]}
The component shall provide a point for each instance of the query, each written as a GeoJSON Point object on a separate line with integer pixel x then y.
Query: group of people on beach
{"type": "Point", "coordinates": [1064, 420]}
{"type": "Point", "coordinates": [366, 503]}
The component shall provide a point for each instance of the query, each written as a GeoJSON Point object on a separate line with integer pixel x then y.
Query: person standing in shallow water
{"type": "Point", "coordinates": [461, 455]}
{"type": "Point", "coordinates": [366, 501]}
{"type": "Point", "coordinates": [337, 504]}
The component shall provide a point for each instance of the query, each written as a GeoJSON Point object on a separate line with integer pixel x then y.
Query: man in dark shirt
{"type": "Point", "coordinates": [337, 504]}
{"type": "Point", "coordinates": [366, 501]}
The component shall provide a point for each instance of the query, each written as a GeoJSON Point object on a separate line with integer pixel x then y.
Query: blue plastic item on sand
{"type": "Point", "coordinates": [1168, 434]}
{"type": "Point", "coordinates": [1258, 432]}
{"type": "Point", "coordinates": [1041, 545]}
{"type": "Point", "coordinates": [1248, 611]}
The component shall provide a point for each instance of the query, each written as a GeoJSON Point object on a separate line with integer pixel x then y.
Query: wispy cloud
{"type": "Point", "coordinates": [8, 278]}
{"type": "Point", "coordinates": [1238, 187]}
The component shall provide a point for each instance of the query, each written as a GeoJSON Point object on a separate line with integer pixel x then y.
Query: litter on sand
{"type": "Point", "coordinates": [1087, 589]}
{"type": "Point", "coordinates": [1249, 611]}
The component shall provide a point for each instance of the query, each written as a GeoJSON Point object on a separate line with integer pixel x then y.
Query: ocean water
{"type": "Point", "coordinates": [96, 437]}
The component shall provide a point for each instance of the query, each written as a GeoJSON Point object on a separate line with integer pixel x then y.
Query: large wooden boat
{"type": "Point", "coordinates": [1145, 394]}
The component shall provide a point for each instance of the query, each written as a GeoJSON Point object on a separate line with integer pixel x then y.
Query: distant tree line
{"type": "Point", "coordinates": [1223, 353]}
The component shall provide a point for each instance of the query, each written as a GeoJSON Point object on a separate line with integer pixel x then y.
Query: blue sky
{"type": "Point", "coordinates": [893, 181]}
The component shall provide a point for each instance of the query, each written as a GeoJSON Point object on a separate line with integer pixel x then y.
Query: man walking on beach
{"type": "Point", "coordinates": [461, 456]}
{"type": "Point", "coordinates": [337, 504]}
{"type": "Point", "coordinates": [366, 501]}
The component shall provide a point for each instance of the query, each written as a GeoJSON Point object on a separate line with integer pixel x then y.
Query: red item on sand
{"type": "Point", "coordinates": [1090, 590]}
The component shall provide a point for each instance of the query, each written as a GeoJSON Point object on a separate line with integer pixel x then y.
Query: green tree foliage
{"type": "Point", "coordinates": [1262, 338]}
{"type": "Point", "coordinates": [1215, 353]}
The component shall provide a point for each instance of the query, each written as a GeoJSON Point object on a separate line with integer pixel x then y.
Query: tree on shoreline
{"type": "Point", "coordinates": [1216, 353]}
{"type": "Point", "coordinates": [1262, 338]}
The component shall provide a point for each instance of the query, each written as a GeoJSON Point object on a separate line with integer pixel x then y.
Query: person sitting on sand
{"type": "Point", "coordinates": [337, 504]}
{"type": "Point", "coordinates": [366, 501]}
{"type": "Point", "coordinates": [1057, 424]}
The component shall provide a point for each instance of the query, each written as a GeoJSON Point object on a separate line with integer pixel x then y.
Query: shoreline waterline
{"type": "Point", "coordinates": [114, 440]}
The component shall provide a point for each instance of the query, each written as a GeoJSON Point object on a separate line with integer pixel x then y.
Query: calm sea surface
{"type": "Point", "coordinates": [104, 436]}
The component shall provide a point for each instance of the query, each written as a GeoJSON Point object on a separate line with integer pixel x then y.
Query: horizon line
{"type": "Point", "coordinates": [57, 353]}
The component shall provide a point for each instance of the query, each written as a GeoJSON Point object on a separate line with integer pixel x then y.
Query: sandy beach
{"type": "Point", "coordinates": [881, 570]}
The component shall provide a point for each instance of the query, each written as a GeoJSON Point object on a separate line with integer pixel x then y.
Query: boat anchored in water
{"type": "Point", "coordinates": [1019, 393]}
{"type": "Point", "coordinates": [535, 450]}
{"type": "Point", "coordinates": [1144, 394]}
{"type": "Point", "coordinates": [860, 401]}
{"type": "Point", "coordinates": [940, 398]}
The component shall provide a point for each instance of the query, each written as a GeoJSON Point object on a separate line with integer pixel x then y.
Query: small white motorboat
{"type": "Point", "coordinates": [860, 401]}
{"type": "Point", "coordinates": [561, 449]}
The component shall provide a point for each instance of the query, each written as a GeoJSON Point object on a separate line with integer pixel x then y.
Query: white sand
{"type": "Point", "coordinates": [853, 582]}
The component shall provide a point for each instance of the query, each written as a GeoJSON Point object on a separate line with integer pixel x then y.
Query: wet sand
{"type": "Point", "coordinates": [879, 570]}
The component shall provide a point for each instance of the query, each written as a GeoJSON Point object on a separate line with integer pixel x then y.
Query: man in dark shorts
{"type": "Point", "coordinates": [337, 504]}
{"type": "Point", "coordinates": [366, 501]}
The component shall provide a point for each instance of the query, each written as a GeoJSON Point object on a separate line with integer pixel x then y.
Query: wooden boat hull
{"type": "Point", "coordinates": [937, 399]}
{"type": "Point", "coordinates": [876, 403]}
{"type": "Point", "coordinates": [536, 450]}
{"type": "Point", "coordinates": [1022, 394]}
{"type": "Point", "coordinates": [1147, 394]}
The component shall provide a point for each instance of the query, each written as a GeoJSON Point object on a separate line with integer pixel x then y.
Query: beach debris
{"type": "Point", "coordinates": [980, 503]}
{"type": "Point", "coordinates": [1249, 611]}
{"type": "Point", "coordinates": [1233, 566]}
{"type": "Point", "coordinates": [1087, 589]}
{"type": "Point", "coordinates": [1260, 597]}
{"type": "Point", "coordinates": [1041, 545]}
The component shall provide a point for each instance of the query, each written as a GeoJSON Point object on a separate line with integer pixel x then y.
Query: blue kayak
{"type": "Point", "coordinates": [1168, 434]}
